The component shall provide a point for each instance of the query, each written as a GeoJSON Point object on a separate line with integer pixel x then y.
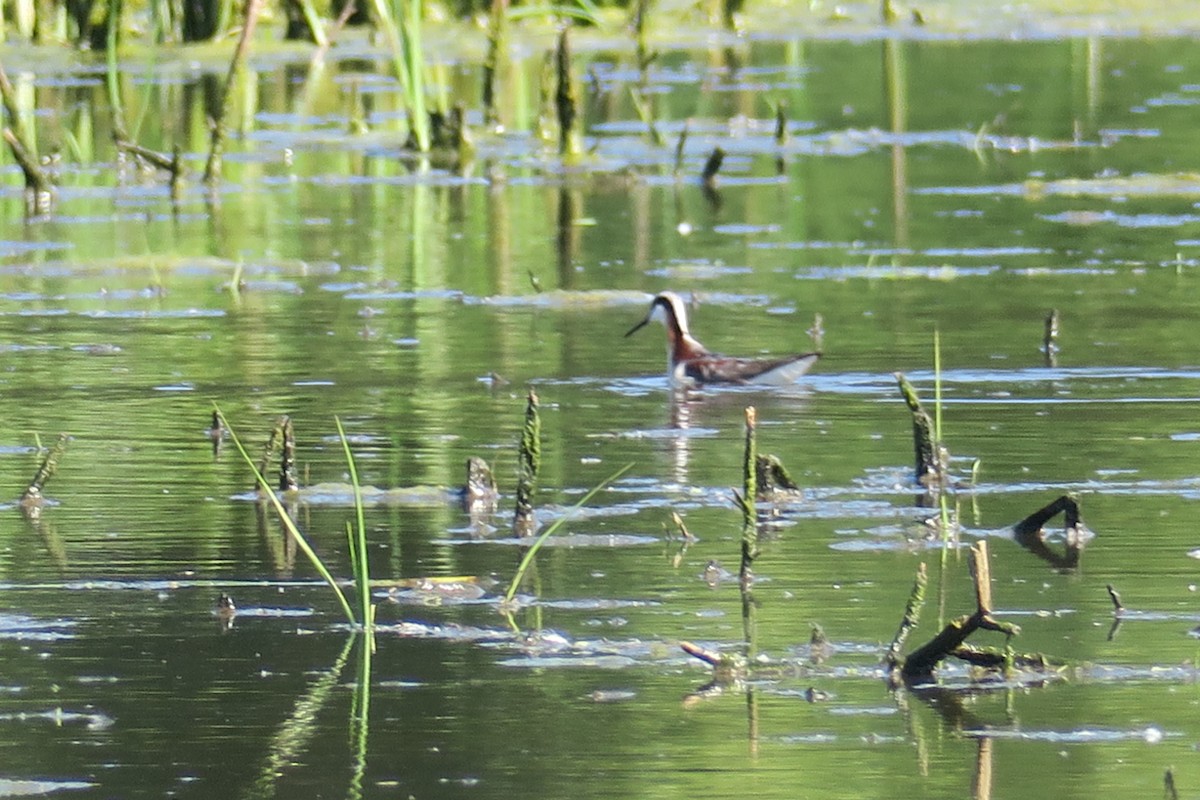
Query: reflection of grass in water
{"type": "Point", "coordinates": [294, 735]}
{"type": "Point", "coordinates": [531, 553]}
{"type": "Point", "coordinates": [360, 717]}
{"type": "Point", "coordinates": [298, 730]}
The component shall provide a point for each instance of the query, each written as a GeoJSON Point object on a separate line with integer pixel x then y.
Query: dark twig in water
{"type": "Point", "coordinates": [1050, 340]}
{"type": "Point", "coordinates": [21, 142]}
{"type": "Point", "coordinates": [37, 185]}
{"type": "Point", "coordinates": [711, 167]}
{"type": "Point", "coordinates": [1169, 791]}
{"type": "Point", "coordinates": [1029, 532]}
{"type": "Point", "coordinates": [152, 157]}
{"type": "Point", "coordinates": [708, 178]}
{"type": "Point", "coordinates": [212, 169]}
{"type": "Point", "coordinates": [172, 164]}
{"type": "Point", "coordinates": [781, 124]}
{"type": "Point", "coordinates": [1115, 597]}
{"type": "Point", "coordinates": [920, 665]}
{"type": "Point", "coordinates": [530, 457]}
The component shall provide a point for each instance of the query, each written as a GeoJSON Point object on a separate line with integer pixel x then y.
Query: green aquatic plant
{"type": "Point", "coordinates": [404, 41]}
{"type": "Point", "coordinates": [288, 523]}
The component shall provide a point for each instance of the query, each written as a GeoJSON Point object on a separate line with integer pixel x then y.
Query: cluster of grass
{"type": "Point", "coordinates": [356, 534]}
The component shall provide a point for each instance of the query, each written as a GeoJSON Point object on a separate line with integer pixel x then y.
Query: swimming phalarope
{"type": "Point", "coordinates": [689, 362]}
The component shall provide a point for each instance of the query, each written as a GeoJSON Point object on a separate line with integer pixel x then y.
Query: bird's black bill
{"type": "Point", "coordinates": [638, 327]}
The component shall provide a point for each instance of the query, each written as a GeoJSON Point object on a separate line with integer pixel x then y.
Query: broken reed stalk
{"type": "Point", "coordinates": [287, 458]}
{"type": "Point", "coordinates": [729, 11]}
{"type": "Point", "coordinates": [112, 40]}
{"type": "Point", "coordinates": [749, 484]}
{"type": "Point", "coordinates": [951, 641]}
{"type": "Point", "coordinates": [45, 471]}
{"type": "Point", "coordinates": [937, 388]}
{"type": "Point", "coordinates": [497, 55]}
{"type": "Point", "coordinates": [12, 105]}
{"type": "Point", "coordinates": [926, 466]}
{"type": "Point", "coordinates": [781, 125]}
{"type": "Point", "coordinates": [288, 523]}
{"type": "Point", "coordinates": [1050, 337]}
{"type": "Point", "coordinates": [1115, 597]}
{"type": "Point", "coordinates": [212, 169]}
{"type": "Point", "coordinates": [711, 167]}
{"type": "Point", "coordinates": [272, 444]}
{"type": "Point", "coordinates": [530, 457]}
{"type": "Point", "coordinates": [24, 149]}
{"type": "Point", "coordinates": [566, 100]}
{"type": "Point", "coordinates": [940, 452]}
{"type": "Point", "coordinates": [532, 550]}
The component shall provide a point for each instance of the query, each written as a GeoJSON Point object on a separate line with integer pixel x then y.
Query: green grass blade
{"type": "Point", "coordinates": [358, 540]}
{"type": "Point", "coordinates": [564, 12]}
{"type": "Point", "coordinates": [558, 523]}
{"type": "Point", "coordinates": [288, 524]}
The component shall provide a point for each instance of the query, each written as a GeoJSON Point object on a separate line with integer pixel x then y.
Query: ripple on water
{"type": "Point", "coordinates": [10, 787]}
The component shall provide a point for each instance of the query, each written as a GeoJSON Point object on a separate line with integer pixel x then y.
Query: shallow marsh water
{"type": "Point", "coordinates": [1014, 177]}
